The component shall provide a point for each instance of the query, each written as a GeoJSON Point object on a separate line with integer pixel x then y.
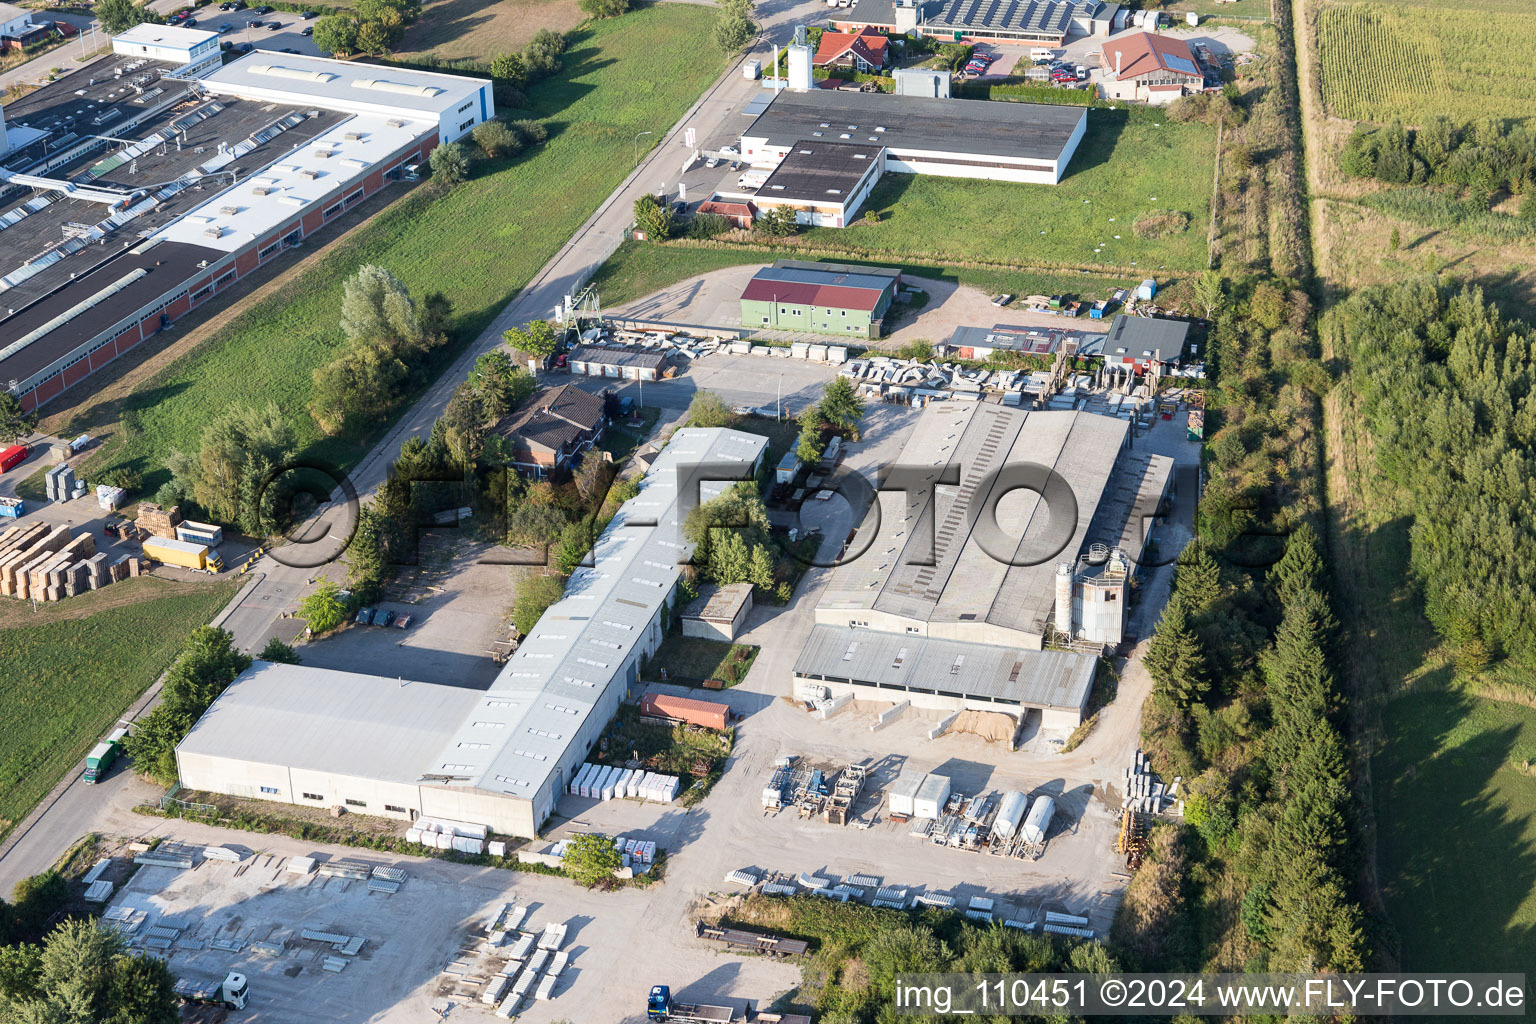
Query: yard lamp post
{"type": "Point", "coordinates": [637, 145]}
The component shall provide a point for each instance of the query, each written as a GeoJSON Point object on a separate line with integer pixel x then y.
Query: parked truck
{"type": "Point", "coordinates": [103, 754]}
{"type": "Point", "coordinates": [661, 1007]}
{"type": "Point", "coordinates": [13, 456]}
{"type": "Point", "coordinates": [206, 534]}
{"type": "Point", "coordinates": [186, 554]}
{"type": "Point", "coordinates": [232, 991]}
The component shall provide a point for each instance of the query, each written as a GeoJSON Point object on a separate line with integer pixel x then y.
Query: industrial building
{"type": "Point", "coordinates": [824, 298]}
{"type": "Point", "coordinates": [627, 362]}
{"type": "Point", "coordinates": [1149, 68]}
{"type": "Point", "coordinates": [947, 675]}
{"type": "Point", "coordinates": [1045, 22]}
{"type": "Point", "coordinates": [17, 29]}
{"type": "Point", "coordinates": [499, 757]}
{"type": "Point", "coordinates": [920, 134]}
{"type": "Point", "coordinates": [148, 182]}
{"type": "Point", "coordinates": [1023, 533]}
{"type": "Point", "coordinates": [824, 183]}
{"type": "Point", "coordinates": [929, 571]}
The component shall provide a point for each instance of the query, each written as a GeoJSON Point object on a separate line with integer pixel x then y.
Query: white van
{"type": "Point", "coordinates": [1040, 53]}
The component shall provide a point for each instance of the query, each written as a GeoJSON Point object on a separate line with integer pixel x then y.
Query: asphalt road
{"type": "Point", "coordinates": [260, 610]}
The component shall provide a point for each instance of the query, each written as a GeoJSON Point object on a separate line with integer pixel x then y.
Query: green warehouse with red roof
{"type": "Point", "coordinates": [820, 298]}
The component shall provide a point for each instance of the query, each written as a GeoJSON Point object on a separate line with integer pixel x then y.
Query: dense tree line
{"type": "Point", "coordinates": [83, 974]}
{"type": "Point", "coordinates": [1484, 157]}
{"type": "Point", "coordinates": [208, 663]}
{"type": "Point", "coordinates": [1246, 709]}
{"type": "Point", "coordinates": [233, 477]}
{"type": "Point", "coordinates": [1245, 705]}
{"type": "Point", "coordinates": [1448, 387]}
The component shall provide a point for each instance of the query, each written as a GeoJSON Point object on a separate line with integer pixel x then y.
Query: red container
{"type": "Point", "coordinates": [13, 456]}
{"type": "Point", "coordinates": [685, 709]}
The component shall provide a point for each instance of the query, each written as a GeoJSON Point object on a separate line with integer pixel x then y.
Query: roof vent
{"type": "Point", "coordinates": [229, 211]}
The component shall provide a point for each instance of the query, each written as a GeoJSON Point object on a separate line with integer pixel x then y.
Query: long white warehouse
{"type": "Point", "coordinates": [498, 757]}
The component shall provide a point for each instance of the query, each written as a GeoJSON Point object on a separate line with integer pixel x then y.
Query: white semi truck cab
{"type": "Point", "coordinates": [234, 991]}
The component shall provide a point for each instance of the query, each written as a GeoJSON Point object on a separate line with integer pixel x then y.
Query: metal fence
{"type": "Point", "coordinates": [170, 802]}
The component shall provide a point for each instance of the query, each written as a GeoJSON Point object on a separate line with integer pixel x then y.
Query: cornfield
{"type": "Point", "coordinates": [1411, 62]}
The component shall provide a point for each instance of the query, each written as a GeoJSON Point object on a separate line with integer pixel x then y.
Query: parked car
{"type": "Point", "coordinates": [273, 26]}
{"type": "Point", "coordinates": [255, 23]}
{"type": "Point", "coordinates": [1082, 73]}
{"type": "Point", "coordinates": [308, 16]}
{"type": "Point", "coordinates": [189, 22]}
{"type": "Point", "coordinates": [729, 151]}
{"type": "Point", "coordinates": [383, 617]}
{"type": "Point", "coordinates": [245, 47]}
{"type": "Point", "coordinates": [227, 27]}
{"type": "Point", "coordinates": [713, 161]}
{"type": "Point", "coordinates": [364, 616]}
{"type": "Point", "coordinates": [264, 9]}
{"type": "Point", "coordinates": [308, 30]}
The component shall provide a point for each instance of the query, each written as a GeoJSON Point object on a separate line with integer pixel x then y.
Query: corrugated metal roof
{"type": "Point", "coordinates": [345, 723]}
{"type": "Point", "coordinates": [578, 648]}
{"type": "Point", "coordinates": [1004, 675]}
{"type": "Point", "coordinates": [973, 442]}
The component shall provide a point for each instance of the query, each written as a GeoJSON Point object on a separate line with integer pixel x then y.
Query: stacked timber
{"type": "Point", "coordinates": [157, 521]}
{"type": "Point", "coordinates": [31, 550]}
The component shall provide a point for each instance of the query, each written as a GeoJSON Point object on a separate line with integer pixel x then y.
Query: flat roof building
{"type": "Point", "coordinates": [824, 183]}
{"type": "Point", "coordinates": [628, 362]}
{"type": "Point", "coordinates": [502, 756]}
{"type": "Point", "coordinates": [193, 50]}
{"type": "Point", "coordinates": [1047, 22]}
{"type": "Point", "coordinates": [1027, 142]}
{"type": "Point", "coordinates": [822, 298]}
{"type": "Point", "coordinates": [106, 243]}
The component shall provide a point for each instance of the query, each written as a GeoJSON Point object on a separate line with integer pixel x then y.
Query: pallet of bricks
{"type": "Point", "coordinates": [49, 563]}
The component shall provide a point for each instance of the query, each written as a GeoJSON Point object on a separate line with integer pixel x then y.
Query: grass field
{"type": "Point", "coordinates": [452, 29]}
{"type": "Point", "coordinates": [1457, 815]}
{"type": "Point", "coordinates": [1246, 9]}
{"type": "Point", "coordinates": [1129, 162]}
{"type": "Point", "coordinates": [68, 671]}
{"type": "Point", "coordinates": [479, 243]}
{"type": "Point", "coordinates": [693, 659]}
{"type": "Point", "coordinates": [1415, 59]}
{"type": "Point", "coordinates": [637, 269]}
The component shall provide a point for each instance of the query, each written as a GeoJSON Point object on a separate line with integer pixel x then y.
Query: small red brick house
{"type": "Point", "coordinates": [740, 215]}
{"type": "Point", "coordinates": [559, 424]}
{"type": "Point", "coordinates": [862, 51]}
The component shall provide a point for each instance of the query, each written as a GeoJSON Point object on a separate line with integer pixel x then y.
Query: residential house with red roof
{"type": "Point", "coordinates": [864, 50]}
{"type": "Point", "coordinates": [1149, 68]}
{"type": "Point", "coordinates": [821, 298]}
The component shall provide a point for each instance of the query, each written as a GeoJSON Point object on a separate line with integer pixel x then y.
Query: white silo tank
{"type": "Point", "coordinates": [1038, 823]}
{"type": "Point", "coordinates": [800, 68]}
{"type": "Point", "coordinates": [1064, 580]}
{"type": "Point", "coordinates": [1009, 813]}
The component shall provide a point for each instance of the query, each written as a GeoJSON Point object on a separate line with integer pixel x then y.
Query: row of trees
{"type": "Point", "coordinates": [373, 26]}
{"type": "Point", "coordinates": [208, 663]}
{"type": "Point", "coordinates": [1447, 386]}
{"type": "Point", "coordinates": [733, 540]}
{"type": "Point", "coordinates": [118, 16]}
{"type": "Point", "coordinates": [1485, 156]}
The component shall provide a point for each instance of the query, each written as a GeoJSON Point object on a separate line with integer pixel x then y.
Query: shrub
{"type": "Point", "coordinates": [496, 139]}
{"type": "Point", "coordinates": [1160, 223]}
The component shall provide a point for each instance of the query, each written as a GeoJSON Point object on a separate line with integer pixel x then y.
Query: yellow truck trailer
{"type": "Point", "coordinates": [183, 553]}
